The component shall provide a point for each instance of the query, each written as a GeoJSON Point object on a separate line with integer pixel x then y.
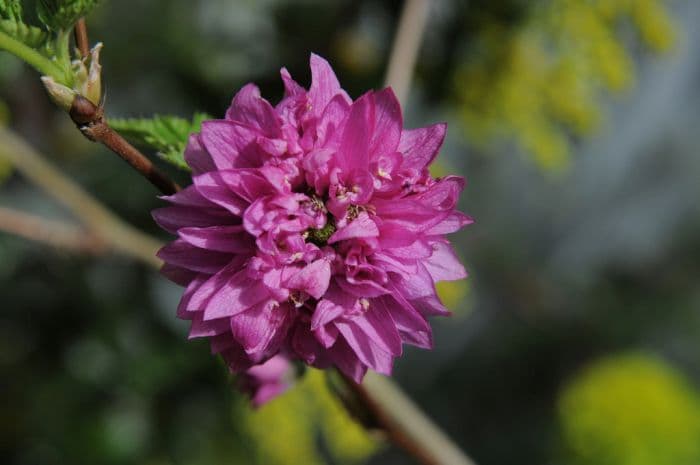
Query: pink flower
{"type": "Point", "coordinates": [269, 380]}
{"type": "Point", "coordinates": [313, 228]}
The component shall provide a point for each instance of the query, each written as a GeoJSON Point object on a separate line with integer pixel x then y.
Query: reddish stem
{"type": "Point", "coordinates": [91, 122]}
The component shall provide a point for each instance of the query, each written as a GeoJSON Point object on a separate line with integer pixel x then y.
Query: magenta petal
{"type": "Point", "coordinates": [346, 360]}
{"type": "Point", "coordinates": [405, 317]}
{"type": "Point", "coordinates": [197, 156]}
{"type": "Point", "coordinates": [421, 339]}
{"type": "Point", "coordinates": [325, 312]}
{"type": "Point", "coordinates": [353, 153]}
{"type": "Point", "coordinates": [377, 325]}
{"type": "Point", "coordinates": [443, 264]}
{"type": "Point", "coordinates": [360, 227]}
{"type": "Point", "coordinates": [231, 239]}
{"type": "Point", "coordinates": [388, 124]}
{"type": "Point", "coordinates": [255, 328]}
{"type": "Point", "coordinates": [366, 350]}
{"type": "Point", "coordinates": [324, 84]}
{"type": "Point", "coordinates": [327, 335]}
{"type": "Point", "coordinates": [184, 305]}
{"type": "Point", "coordinates": [214, 187]}
{"type": "Point", "coordinates": [184, 255]}
{"type": "Point", "coordinates": [291, 87]}
{"type": "Point", "coordinates": [230, 144]}
{"type": "Point", "coordinates": [236, 295]}
{"type": "Point", "coordinates": [452, 223]}
{"type": "Point", "coordinates": [201, 328]}
{"type": "Point", "coordinates": [420, 146]}
{"type": "Point", "coordinates": [178, 275]}
{"type": "Point", "coordinates": [312, 279]}
{"type": "Point", "coordinates": [249, 108]}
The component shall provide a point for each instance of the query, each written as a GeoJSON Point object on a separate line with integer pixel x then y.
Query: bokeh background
{"type": "Point", "coordinates": [576, 339]}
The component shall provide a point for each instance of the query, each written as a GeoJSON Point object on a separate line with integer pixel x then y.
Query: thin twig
{"type": "Point", "coordinates": [406, 46]}
{"type": "Point", "coordinates": [91, 121]}
{"type": "Point", "coordinates": [57, 234]}
{"type": "Point", "coordinates": [116, 234]}
{"type": "Point", "coordinates": [81, 38]}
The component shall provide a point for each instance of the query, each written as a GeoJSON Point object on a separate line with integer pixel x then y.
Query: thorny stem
{"type": "Point", "coordinates": [91, 122]}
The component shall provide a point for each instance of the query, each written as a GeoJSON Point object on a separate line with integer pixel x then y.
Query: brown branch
{"type": "Point", "coordinates": [91, 121]}
{"type": "Point", "coordinates": [58, 234]}
{"type": "Point", "coordinates": [81, 38]}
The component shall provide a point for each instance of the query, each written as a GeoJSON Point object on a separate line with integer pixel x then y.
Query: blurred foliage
{"type": "Point", "coordinates": [540, 78]}
{"type": "Point", "coordinates": [631, 409]}
{"type": "Point", "coordinates": [166, 134]}
{"type": "Point", "coordinates": [62, 14]}
{"type": "Point", "coordinates": [286, 431]}
{"type": "Point", "coordinates": [13, 24]}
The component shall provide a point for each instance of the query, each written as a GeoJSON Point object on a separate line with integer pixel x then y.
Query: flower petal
{"type": "Point", "coordinates": [420, 146]}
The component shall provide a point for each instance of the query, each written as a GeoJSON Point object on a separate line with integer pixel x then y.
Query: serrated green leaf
{"type": "Point", "coordinates": [12, 24]}
{"type": "Point", "coordinates": [62, 14]}
{"type": "Point", "coordinates": [11, 10]}
{"type": "Point", "coordinates": [29, 35]}
{"type": "Point", "coordinates": [166, 134]}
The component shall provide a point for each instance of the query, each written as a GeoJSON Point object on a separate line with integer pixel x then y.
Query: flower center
{"type": "Point", "coordinates": [320, 236]}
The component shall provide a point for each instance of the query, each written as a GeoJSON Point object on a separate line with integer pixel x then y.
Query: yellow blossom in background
{"type": "Point", "coordinates": [286, 430]}
{"type": "Point", "coordinates": [540, 82]}
{"type": "Point", "coordinates": [631, 409]}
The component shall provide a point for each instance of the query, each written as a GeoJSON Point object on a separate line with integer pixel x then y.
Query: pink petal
{"type": "Point", "coordinates": [443, 264]}
{"type": "Point", "coordinates": [452, 223]}
{"type": "Point", "coordinates": [250, 109]}
{"type": "Point", "coordinates": [360, 227]}
{"type": "Point", "coordinates": [256, 327]}
{"type": "Point", "coordinates": [183, 255]}
{"type": "Point", "coordinates": [197, 157]}
{"type": "Point", "coordinates": [325, 312]}
{"type": "Point", "coordinates": [324, 84]}
{"type": "Point", "coordinates": [388, 124]}
{"type": "Point", "coordinates": [236, 295]}
{"type": "Point", "coordinates": [214, 187]}
{"type": "Point", "coordinates": [231, 239]}
{"type": "Point", "coordinates": [346, 360]}
{"type": "Point", "coordinates": [365, 348]}
{"type": "Point", "coordinates": [312, 279]}
{"type": "Point", "coordinates": [420, 146]}
{"type": "Point", "coordinates": [353, 153]}
{"type": "Point", "coordinates": [230, 144]}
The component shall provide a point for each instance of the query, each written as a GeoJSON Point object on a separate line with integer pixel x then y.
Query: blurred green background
{"type": "Point", "coordinates": [575, 339]}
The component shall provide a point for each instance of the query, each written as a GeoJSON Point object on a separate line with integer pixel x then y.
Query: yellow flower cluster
{"type": "Point", "coordinates": [541, 82]}
{"type": "Point", "coordinates": [286, 430]}
{"type": "Point", "coordinates": [631, 409]}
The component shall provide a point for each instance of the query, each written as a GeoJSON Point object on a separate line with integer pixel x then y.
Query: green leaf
{"type": "Point", "coordinates": [12, 24]}
{"type": "Point", "coordinates": [11, 10]}
{"type": "Point", "coordinates": [166, 134]}
{"type": "Point", "coordinates": [62, 14]}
